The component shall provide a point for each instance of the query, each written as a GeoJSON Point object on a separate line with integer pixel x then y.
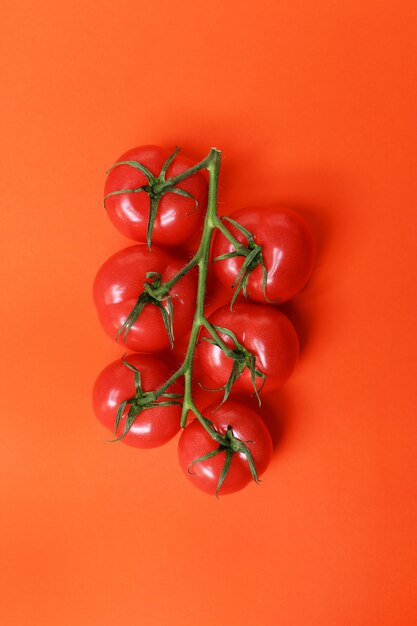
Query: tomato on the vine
{"type": "Point", "coordinates": [146, 296]}
{"type": "Point", "coordinates": [195, 442]}
{"type": "Point", "coordinates": [263, 331]}
{"type": "Point", "coordinates": [180, 212]}
{"type": "Point", "coordinates": [152, 427]}
{"type": "Point", "coordinates": [288, 253]}
{"type": "Point", "coordinates": [120, 282]}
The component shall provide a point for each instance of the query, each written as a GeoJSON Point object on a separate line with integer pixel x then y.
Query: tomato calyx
{"type": "Point", "coordinates": [252, 254]}
{"type": "Point", "coordinates": [142, 400]}
{"type": "Point", "coordinates": [230, 445]}
{"type": "Point", "coordinates": [154, 292]}
{"type": "Point", "coordinates": [156, 187]}
{"type": "Point", "coordinates": [160, 294]}
{"type": "Point", "coordinates": [242, 359]}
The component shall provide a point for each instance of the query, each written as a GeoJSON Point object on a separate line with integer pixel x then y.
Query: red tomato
{"type": "Point", "coordinates": [116, 383]}
{"type": "Point", "coordinates": [288, 251]}
{"type": "Point", "coordinates": [178, 217]}
{"type": "Point", "coordinates": [195, 442]}
{"type": "Point", "coordinates": [118, 284]}
{"type": "Point", "coordinates": [262, 330]}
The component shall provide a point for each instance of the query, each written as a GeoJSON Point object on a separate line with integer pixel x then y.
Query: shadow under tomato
{"type": "Point", "coordinates": [302, 321]}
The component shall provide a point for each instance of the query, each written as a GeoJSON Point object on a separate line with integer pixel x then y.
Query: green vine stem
{"type": "Point", "coordinates": [201, 259]}
{"type": "Point", "coordinates": [160, 291]}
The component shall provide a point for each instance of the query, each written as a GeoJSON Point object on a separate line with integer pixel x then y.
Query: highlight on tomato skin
{"type": "Point", "coordinates": [288, 251]}
{"type": "Point", "coordinates": [195, 442]}
{"type": "Point", "coordinates": [178, 217]}
{"type": "Point", "coordinates": [152, 427]}
{"type": "Point", "coordinates": [118, 285]}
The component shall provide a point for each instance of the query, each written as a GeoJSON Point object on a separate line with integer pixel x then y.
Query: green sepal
{"type": "Point", "coordinates": [210, 340]}
{"type": "Point", "coordinates": [137, 310]}
{"type": "Point", "coordinates": [167, 318]}
{"type": "Point", "coordinates": [237, 369]}
{"type": "Point", "coordinates": [157, 186]}
{"type": "Point", "coordinates": [204, 457]}
{"type": "Point", "coordinates": [138, 384]}
{"type": "Point", "coordinates": [119, 414]}
{"type": "Point", "coordinates": [172, 403]}
{"type": "Point", "coordinates": [142, 400]}
{"type": "Point", "coordinates": [154, 200]}
{"type": "Point", "coordinates": [253, 257]}
{"type": "Point", "coordinates": [249, 259]}
{"type": "Point", "coordinates": [153, 209]}
{"type": "Point", "coordinates": [239, 227]}
{"type": "Point", "coordinates": [120, 191]}
{"type": "Point", "coordinates": [168, 163]}
{"type": "Point", "coordinates": [130, 418]}
{"type": "Point", "coordinates": [155, 276]}
{"type": "Point", "coordinates": [225, 470]}
{"type": "Point", "coordinates": [240, 447]}
{"type": "Point", "coordinates": [172, 395]}
{"type": "Point", "coordinates": [148, 297]}
{"type": "Point", "coordinates": [134, 411]}
{"type": "Point", "coordinates": [228, 255]}
{"type": "Point", "coordinates": [137, 166]}
{"type": "Point", "coordinates": [183, 193]}
{"type": "Point", "coordinates": [132, 317]}
{"type": "Point", "coordinates": [241, 281]}
{"type": "Point", "coordinates": [242, 358]}
{"type": "Point", "coordinates": [245, 450]}
{"type": "Point", "coordinates": [230, 445]}
{"type": "Point", "coordinates": [256, 373]}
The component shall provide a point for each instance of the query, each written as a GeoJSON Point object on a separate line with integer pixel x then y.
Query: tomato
{"type": "Point", "coordinates": [262, 330]}
{"type": "Point", "coordinates": [195, 442]}
{"type": "Point", "coordinates": [118, 285]}
{"type": "Point", "coordinates": [116, 383]}
{"type": "Point", "coordinates": [288, 251]}
{"type": "Point", "coordinates": [178, 217]}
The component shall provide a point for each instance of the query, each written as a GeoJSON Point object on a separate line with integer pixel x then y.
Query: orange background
{"type": "Point", "coordinates": [313, 105]}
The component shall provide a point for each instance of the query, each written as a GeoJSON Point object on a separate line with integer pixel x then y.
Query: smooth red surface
{"type": "Point", "coordinates": [313, 105]}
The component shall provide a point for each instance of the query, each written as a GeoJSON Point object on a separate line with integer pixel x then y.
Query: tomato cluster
{"type": "Point", "coordinates": [149, 295]}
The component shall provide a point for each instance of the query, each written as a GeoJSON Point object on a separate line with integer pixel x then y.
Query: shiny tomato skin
{"type": "Point", "coordinates": [195, 442]}
{"type": "Point", "coordinates": [288, 249]}
{"type": "Point", "coordinates": [118, 284]}
{"type": "Point", "coordinates": [263, 330]}
{"type": "Point", "coordinates": [152, 427]}
{"type": "Point", "coordinates": [178, 217]}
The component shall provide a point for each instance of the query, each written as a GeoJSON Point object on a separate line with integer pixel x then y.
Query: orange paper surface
{"type": "Point", "coordinates": [314, 106]}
